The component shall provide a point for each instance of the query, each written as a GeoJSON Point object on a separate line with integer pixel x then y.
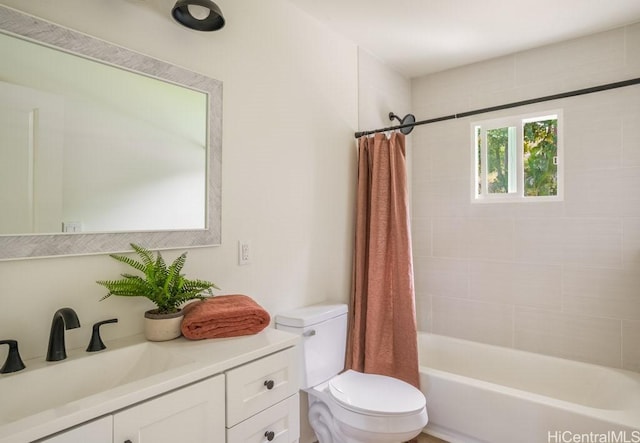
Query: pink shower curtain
{"type": "Point", "coordinates": [382, 326]}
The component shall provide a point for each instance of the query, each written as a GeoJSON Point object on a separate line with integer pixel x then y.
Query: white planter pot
{"type": "Point", "coordinates": [162, 327]}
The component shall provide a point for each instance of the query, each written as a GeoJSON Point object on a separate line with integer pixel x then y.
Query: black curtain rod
{"type": "Point", "coordinates": [547, 98]}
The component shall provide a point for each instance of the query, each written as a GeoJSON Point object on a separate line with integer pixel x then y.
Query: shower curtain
{"type": "Point", "coordinates": [382, 326]}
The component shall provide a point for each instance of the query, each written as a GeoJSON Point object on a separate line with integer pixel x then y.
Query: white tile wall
{"type": "Point", "coordinates": [631, 240]}
{"type": "Point", "coordinates": [575, 63]}
{"type": "Point", "coordinates": [602, 292]}
{"type": "Point", "coordinates": [591, 339]}
{"type": "Point", "coordinates": [481, 321]}
{"type": "Point", "coordinates": [528, 284]}
{"type": "Point", "coordinates": [560, 278]}
{"type": "Point", "coordinates": [630, 348]}
{"type": "Point", "coordinates": [539, 240]}
{"type": "Point", "coordinates": [632, 48]}
{"type": "Point", "coordinates": [631, 139]}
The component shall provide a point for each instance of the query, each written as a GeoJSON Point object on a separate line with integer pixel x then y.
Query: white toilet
{"type": "Point", "coordinates": [350, 407]}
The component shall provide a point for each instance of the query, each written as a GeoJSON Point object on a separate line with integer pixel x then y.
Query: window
{"type": "Point", "coordinates": [518, 158]}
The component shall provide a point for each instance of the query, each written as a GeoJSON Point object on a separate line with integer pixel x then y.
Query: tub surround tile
{"type": "Point", "coordinates": [479, 321]}
{"type": "Point", "coordinates": [528, 284]}
{"type": "Point", "coordinates": [419, 275]}
{"type": "Point", "coordinates": [490, 238]}
{"type": "Point", "coordinates": [595, 146]}
{"type": "Point", "coordinates": [546, 210]}
{"type": "Point", "coordinates": [632, 48]}
{"type": "Point", "coordinates": [444, 277]}
{"type": "Point", "coordinates": [423, 313]}
{"type": "Point", "coordinates": [631, 139]}
{"type": "Point", "coordinates": [595, 56]}
{"type": "Point", "coordinates": [485, 210]}
{"type": "Point", "coordinates": [433, 108]}
{"type": "Point", "coordinates": [491, 76]}
{"type": "Point", "coordinates": [421, 237]}
{"type": "Point", "coordinates": [450, 237]}
{"type": "Point", "coordinates": [448, 161]}
{"type": "Point", "coordinates": [607, 195]}
{"type": "Point", "coordinates": [592, 241]}
{"type": "Point", "coordinates": [539, 241]}
{"type": "Point", "coordinates": [550, 277]}
{"type": "Point", "coordinates": [631, 345]}
{"type": "Point", "coordinates": [610, 293]}
{"type": "Point", "coordinates": [602, 307]}
{"type": "Point", "coordinates": [448, 197]}
{"type": "Point", "coordinates": [422, 155]}
{"type": "Point", "coordinates": [588, 339]}
{"type": "Point", "coordinates": [631, 240]}
{"type": "Point", "coordinates": [601, 283]}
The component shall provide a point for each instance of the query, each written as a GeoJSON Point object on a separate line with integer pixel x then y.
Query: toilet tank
{"type": "Point", "coordinates": [324, 338]}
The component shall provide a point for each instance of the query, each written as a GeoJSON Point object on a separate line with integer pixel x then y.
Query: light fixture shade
{"type": "Point", "coordinates": [212, 22]}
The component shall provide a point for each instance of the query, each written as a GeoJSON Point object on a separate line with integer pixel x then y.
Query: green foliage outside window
{"type": "Point", "coordinates": [498, 160]}
{"type": "Point", "coordinates": [540, 153]}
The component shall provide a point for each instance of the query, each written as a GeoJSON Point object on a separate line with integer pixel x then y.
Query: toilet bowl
{"type": "Point", "coordinates": [349, 406]}
{"type": "Point", "coordinates": [367, 408]}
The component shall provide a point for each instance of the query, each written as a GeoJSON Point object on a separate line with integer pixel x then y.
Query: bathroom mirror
{"type": "Point", "coordinates": [101, 146]}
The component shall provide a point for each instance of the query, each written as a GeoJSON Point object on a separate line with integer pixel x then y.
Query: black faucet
{"type": "Point", "coordinates": [96, 344]}
{"type": "Point", "coordinates": [64, 318]}
{"type": "Point", "coordinates": [14, 362]}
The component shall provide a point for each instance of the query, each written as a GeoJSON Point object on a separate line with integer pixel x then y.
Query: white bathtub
{"type": "Point", "coordinates": [483, 393]}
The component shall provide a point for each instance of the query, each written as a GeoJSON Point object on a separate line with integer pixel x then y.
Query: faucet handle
{"type": "Point", "coordinates": [96, 344]}
{"type": "Point", "coordinates": [14, 362]}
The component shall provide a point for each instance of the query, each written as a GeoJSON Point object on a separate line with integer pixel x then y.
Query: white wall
{"type": "Point", "coordinates": [555, 278]}
{"type": "Point", "coordinates": [290, 110]}
{"type": "Point", "coordinates": [382, 90]}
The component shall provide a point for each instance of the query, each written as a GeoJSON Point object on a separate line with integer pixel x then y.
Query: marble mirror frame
{"type": "Point", "coordinates": [31, 28]}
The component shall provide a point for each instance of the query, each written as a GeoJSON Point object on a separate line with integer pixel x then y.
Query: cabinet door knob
{"type": "Point", "coordinates": [270, 435]}
{"type": "Point", "coordinates": [269, 384]}
{"type": "Point", "coordinates": [127, 441]}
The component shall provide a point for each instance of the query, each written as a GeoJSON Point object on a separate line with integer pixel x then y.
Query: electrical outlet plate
{"type": "Point", "coordinates": [244, 252]}
{"type": "Point", "coordinates": [71, 226]}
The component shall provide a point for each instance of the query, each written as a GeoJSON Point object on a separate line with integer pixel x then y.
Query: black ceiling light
{"type": "Point", "coordinates": [407, 120]}
{"type": "Point", "coordinates": [201, 15]}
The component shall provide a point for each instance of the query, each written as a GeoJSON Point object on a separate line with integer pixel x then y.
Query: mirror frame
{"type": "Point", "coordinates": [27, 27]}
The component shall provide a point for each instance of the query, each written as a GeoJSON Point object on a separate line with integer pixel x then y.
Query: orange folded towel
{"type": "Point", "coordinates": [223, 316]}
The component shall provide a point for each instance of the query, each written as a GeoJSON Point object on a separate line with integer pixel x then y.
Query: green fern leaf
{"type": "Point", "coordinates": [165, 286]}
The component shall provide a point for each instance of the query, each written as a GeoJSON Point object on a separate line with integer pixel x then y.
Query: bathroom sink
{"type": "Point", "coordinates": [44, 386]}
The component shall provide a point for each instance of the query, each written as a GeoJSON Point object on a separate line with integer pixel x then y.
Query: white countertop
{"type": "Point", "coordinates": [204, 358]}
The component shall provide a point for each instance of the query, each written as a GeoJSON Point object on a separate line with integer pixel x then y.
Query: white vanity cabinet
{"type": "Point", "coordinates": [234, 390]}
{"type": "Point", "coordinates": [262, 400]}
{"type": "Point", "coordinates": [193, 414]}
{"type": "Point", "coordinates": [278, 424]}
{"type": "Point", "coordinates": [97, 431]}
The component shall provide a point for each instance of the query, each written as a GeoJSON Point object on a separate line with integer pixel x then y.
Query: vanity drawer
{"type": "Point", "coordinates": [260, 384]}
{"type": "Point", "coordinates": [280, 423]}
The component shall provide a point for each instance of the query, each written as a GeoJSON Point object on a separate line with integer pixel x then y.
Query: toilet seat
{"type": "Point", "coordinates": [375, 395]}
{"type": "Point", "coordinates": [371, 408]}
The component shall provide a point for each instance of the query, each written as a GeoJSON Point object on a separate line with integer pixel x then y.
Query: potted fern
{"type": "Point", "coordinates": [163, 285]}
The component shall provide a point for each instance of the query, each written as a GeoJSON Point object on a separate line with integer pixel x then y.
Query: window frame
{"type": "Point", "coordinates": [517, 121]}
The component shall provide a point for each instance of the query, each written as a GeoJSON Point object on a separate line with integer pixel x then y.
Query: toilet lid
{"type": "Point", "coordinates": [375, 394]}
